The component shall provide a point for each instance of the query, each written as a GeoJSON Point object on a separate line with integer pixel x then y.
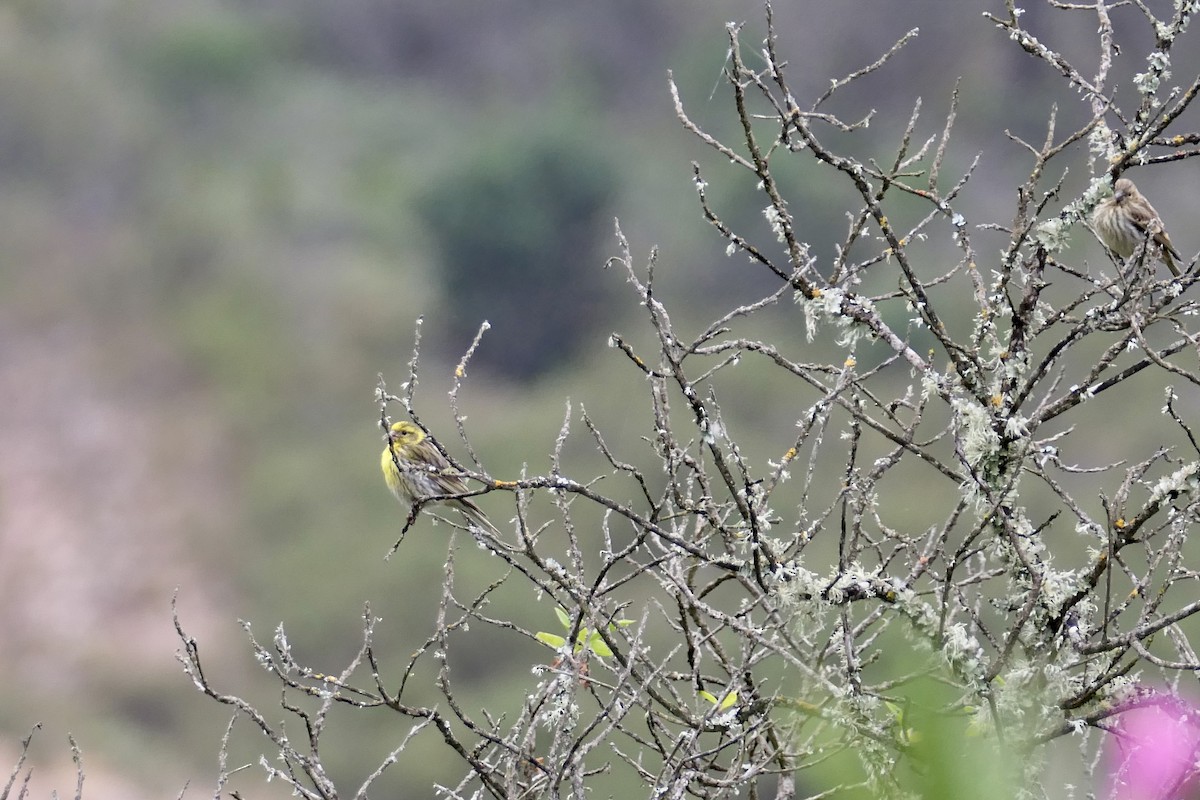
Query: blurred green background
{"type": "Point", "coordinates": [220, 220]}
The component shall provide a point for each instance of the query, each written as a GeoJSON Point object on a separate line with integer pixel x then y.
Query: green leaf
{"type": "Point", "coordinates": [550, 639]}
{"type": "Point", "coordinates": [563, 618]}
{"type": "Point", "coordinates": [726, 702]}
{"type": "Point", "coordinates": [597, 646]}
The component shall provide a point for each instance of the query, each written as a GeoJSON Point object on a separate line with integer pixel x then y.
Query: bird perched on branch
{"type": "Point", "coordinates": [415, 470]}
{"type": "Point", "coordinates": [1127, 219]}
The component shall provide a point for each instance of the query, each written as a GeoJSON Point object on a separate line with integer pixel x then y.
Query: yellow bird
{"type": "Point", "coordinates": [415, 469]}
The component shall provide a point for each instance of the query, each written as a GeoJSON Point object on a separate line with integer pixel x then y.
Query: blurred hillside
{"type": "Point", "coordinates": [220, 221]}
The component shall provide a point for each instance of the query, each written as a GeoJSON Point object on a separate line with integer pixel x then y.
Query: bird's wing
{"type": "Point", "coordinates": [1150, 224]}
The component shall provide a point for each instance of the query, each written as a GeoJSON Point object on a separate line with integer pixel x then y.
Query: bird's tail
{"type": "Point", "coordinates": [1169, 254]}
{"type": "Point", "coordinates": [475, 516]}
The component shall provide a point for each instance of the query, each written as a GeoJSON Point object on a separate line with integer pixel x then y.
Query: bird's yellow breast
{"type": "Point", "coordinates": [391, 475]}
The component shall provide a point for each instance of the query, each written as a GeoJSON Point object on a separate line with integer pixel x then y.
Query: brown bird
{"type": "Point", "coordinates": [1127, 219]}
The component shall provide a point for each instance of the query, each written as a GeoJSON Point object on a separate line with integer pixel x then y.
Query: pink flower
{"type": "Point", "coordinates": [1154, 753]}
